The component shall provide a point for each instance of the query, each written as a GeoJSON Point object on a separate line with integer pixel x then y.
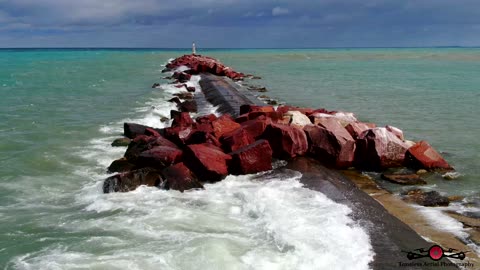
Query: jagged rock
{"type": "Point", "coordinates": [156, 85]}
{"type": "Point", "coordinates": [121, 165]}
{"type": "Point", "coordinates": [297, 119]}
{"type": "Point", "coordinates": [132, 130]}
{"type": "Point", "coordinates": [357, 128]}
{"type": "Point", "coordinates": [206, 161]}
{"type": "Point", "coordinates": [121, 142]}
{"type": "Point", "coordinates": [159, 157]}
{"type": "Point", "coordinates": [206, 119]}
{"type": "Point", "coordinates": [143, 143]}
{"type": "Point", "coordinates": [179, 135]}
{"type": "Point", "coordinates": [184, 95]}
{"type": "Point", "coordinates": [152, 132]}
{"type": "Point", "coordinates": [256, 127]}
{"type": "Point", "coordinates": [236, 139]}
{"type": "Point", "coordinates": [253, 158]}
{"type": "Point", "coordinates": [379, 149]}
{"type": "Point", "coordinates": [247, 108]}
{"type": "Point", "coordinates": [286, 141]}
{"type": "Point", "coordinates": [423, 156]}
{"type": "Point", "coordinates": [224, 124]}
{"type": "Point", "coordinates": [181, 119]}
{"type": "Point", "coordinates": [430, 198]}
{"type": "Point", "coordinates": [331, 144]}
{"type": "Point", "coordinates": [398, 132]}
{"type": "Point", "coordinates": [286, 108]}
{"type": "Point", "coordinates": [344, 118]}
{"type": "Point", "coordinates": [404, 179]}
{"type": "Point", "coordinates": [175, 100]}
{"type": "Point", "coordinates": [179, 177]}
{"type": "Point", "coordinates": [129, 181]}
{"type": "Point", "coordinates": [188, 106]}
{"type": "Point", "coordinates": [181, 76]}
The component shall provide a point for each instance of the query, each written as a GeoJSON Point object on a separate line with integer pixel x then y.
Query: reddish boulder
{"type": "Point", "coordinates": [121, 165]}
{"type": "Point", "coordinates": [181, 119]}
{"type": "Point", "coordinates": [159, 157]}
{"type": "Point", "coordinates": [247, 108]}
{"type": "Point", "coordinates": [207, 119]}
{"type": "Point", "coordinates": [191, 89]}
{"type": "Point", "coordinates": [357, 128]}
{"type": "Point", "coordinates": [208, 162]}
{"type": "Point", "coordinates": [253, 158]}
{"type": "Point", "coordinates": [286, 141]}
{"type": "Point", "coordinates": [175, 100]}
{"type": "Point", "coordinates": [152, 132]}
{"type": "Point", "coordinates": [143, 143]}
{"type": "Point", "coordinates": [179, 177]}
{"type": "Point", "coordinates": [379, 149]}
{"type": "Point", "coordinates": [224, 124]}
{"type": "Point", "coordinates": [286, 108]}
{"type": "Point", "coordinates": [398, 132]}
{"type": "Point", "coordinates": [256, 127]}
{"type": "Point", "coordinates": [331, 144]}
{"type": "Point", "coordinates": [132, 130]}
{"type": "Point", "coordinates": [188, 106]}
{"type": "Point", "coordinates": [179, 135]}
{"type": "Point", "coordinates": [236, 140]}
{"type": "Point", "coordinates": [181, 76]}
{"type": "Point", "coordinates": [129, 181]}
{"type": "Point", "coordinates": [423, 156]}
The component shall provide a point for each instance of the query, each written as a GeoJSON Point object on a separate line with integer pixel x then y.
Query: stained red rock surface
{"type": "Point", "coordinates": [224, 124]}
{"type": "Point", "coordinates": [286, 141]}
{"type": "Point", "coordinates": [331, 144]}
{"type": "Point", "coordinates": [181, 119]}
{"type": "Point", "coordinates": [198, 63]}
{"type": "Point", "coordinates": [179, 177]}
{"type": "Point", "coordinates": [247, 108]}
{"type": "Point", "coordinates": [254, 158]}
{"type": "Point", "coordinates": [357, 128]}
{"type": "Point", "coordinates": [379, 149]}
{"type": "Point", "coordinates": [159, 157]}
{"type": "Point", "coordinates": [422, 155]}
{"type": "Point", "coordinates": [208, 162]}
{"type": "Point", "coordinates": [236, 139]}
{"type": "Point", "coordinates": [256, 127]}
{"type": "Point", "coordinates": [132, 130]}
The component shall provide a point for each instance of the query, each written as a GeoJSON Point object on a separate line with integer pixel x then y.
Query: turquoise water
{"type": "Point", "coordinates": [59, 109]}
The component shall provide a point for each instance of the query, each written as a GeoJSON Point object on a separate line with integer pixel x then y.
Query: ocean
{"type": "Point", "coordinates": [61, 108]}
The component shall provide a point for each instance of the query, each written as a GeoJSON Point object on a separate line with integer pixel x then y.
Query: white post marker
{"type": "Point", "coordinates": [194, 49]}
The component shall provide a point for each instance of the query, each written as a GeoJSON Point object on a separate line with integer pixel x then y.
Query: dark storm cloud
{"type": "Point", "coordinates": [239, 23]}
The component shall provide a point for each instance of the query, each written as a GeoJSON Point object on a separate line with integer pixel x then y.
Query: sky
{"type": "Point", "coordinates": [239, 23]}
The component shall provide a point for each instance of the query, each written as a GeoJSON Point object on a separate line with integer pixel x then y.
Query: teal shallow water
{"type": "Point", "coordinates": [60, 108]}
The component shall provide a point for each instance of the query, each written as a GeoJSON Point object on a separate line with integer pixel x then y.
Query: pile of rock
{"type": "Point", "coordinates": [196, 64]}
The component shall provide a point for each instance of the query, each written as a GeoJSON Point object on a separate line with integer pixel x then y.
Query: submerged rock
{"type": "Point", "coordinates": [423, 156]}
{"type": "Point", "coordinates": [404, 179]}
{"type": "Point", "coordinates": [129, 181]}
{"type": "Point", "coordinates": [429, 198]}
{"type": "Point", "coordinates": [179, 177]}
{"type": "Point", "coordinates": [253, 158]}
{"type": "Point", "coordinates": [121, 142]}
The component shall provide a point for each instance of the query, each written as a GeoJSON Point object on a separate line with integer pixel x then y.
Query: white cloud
{"type": "Point", "coordinates": [279, 11]}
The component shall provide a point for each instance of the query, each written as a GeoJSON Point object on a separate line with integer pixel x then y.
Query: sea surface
{"type": "Point", "coordinates": [61, 108]}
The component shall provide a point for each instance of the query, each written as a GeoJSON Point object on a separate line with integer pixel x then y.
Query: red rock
{"type": "Point", "coordinates": [181, 119]}
{"type": "Point", "coordinates": [208, 162]}
{"type": "Point", "coordinates": [181, 76]}
{"type": "Point", "coordinates": [191, 89]}
{"type": "Point", "coordinates": [175, 100]}
{"type": "Point", "coordinates": [242, 118]}
{"type": "Point", "coordinates": [129, 181]}
{"type": "Point", "coordinates": [256, 127]}
{"type": "Point", "coordinates": [356, 128]}
{"type": "Point", "coordinates": [179, 177]}
{"type": "Point", "coordinates": [206, 119]}
{"type": "Point", "coordinates": [143, 143]}
{"type": "Point", "coordinates": [179, 135]}
{"type": "Point", "coordinates": [344, 118]}
{"type": "Point", "coordinates": [247, 108]}
{"type": "Point", "coordinates": [188, 106]}
{"type": "Point", "coordinates": [236, 139]}
{"type": "Point", "coordinates": [423, 156]}
{"type": "Point", "coordinates": [286, 108]}
{"type": "Point", "coordinates": [331, 144]}
{"type": "Point", "coordinates": [152, 132]}
{"type": "Point", "coordinates": [132, 130]}
{"type": "Point", "coordinates": [159, 157]}
{"type": "Point", "coordinates": [253, 158]}
{"type": "Point", "coordinates": [224, 124]}
{"type": "Point", "coordinates": [398, 132]}
{"type": "Point", "coordinates": [286, 141]}
{"type": "Point", "coordinates": [379, 149]}
{"type": "Point", "coordinates": [180, 85]}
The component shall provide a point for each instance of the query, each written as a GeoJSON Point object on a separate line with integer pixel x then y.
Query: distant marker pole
{"type": "Point", "coordinates": [194, 49]}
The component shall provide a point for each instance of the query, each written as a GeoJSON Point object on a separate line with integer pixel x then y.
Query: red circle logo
{"type": "Point", "coordinates": [435, 252]}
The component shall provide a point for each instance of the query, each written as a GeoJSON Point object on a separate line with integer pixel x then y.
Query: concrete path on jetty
{"type": "Point", "coordinates": [389, 236]}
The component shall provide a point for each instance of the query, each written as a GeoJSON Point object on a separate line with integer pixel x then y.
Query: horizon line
{"type": "Point", "coordinates": [242, 48]}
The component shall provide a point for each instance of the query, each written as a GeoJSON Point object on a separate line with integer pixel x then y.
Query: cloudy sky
{"type": "Point", "coordinates": [239, 23]}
